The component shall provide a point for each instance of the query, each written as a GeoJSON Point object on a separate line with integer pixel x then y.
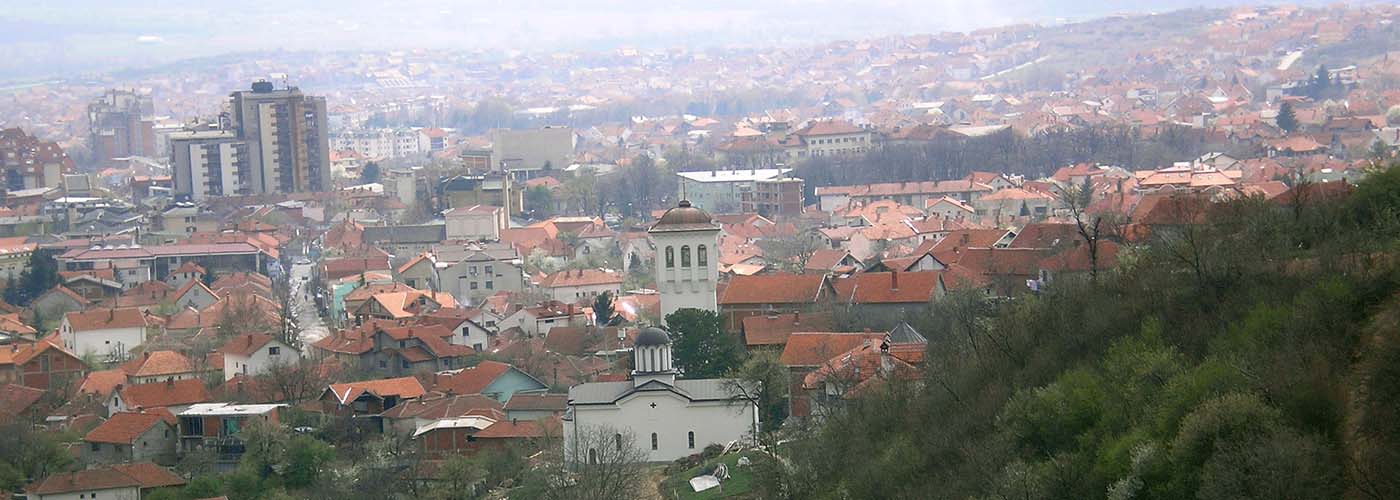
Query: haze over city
{"type": "Point", "coordinates": [614, 250]}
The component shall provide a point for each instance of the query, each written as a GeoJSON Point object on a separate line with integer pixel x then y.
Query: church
{"type": "Point", "coordinates": [667, 418]}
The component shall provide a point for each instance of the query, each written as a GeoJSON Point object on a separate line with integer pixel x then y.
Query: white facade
{"type": "Point", "coordinates": [101, 342]}
{"type": "Point", "coordinates": [472, 335]}
{"type": "Point", "coordinates": [667, 418]}
{"type": "Point", "coordinates": [475, 223]}
{"type": "Point", "coordinates": [687, 268]}
{"type": "Point", "coordinates": [383, 143]}
{"type": "Point", "coordinates": [270, 354]}
{"type": "Point", "coordinates": [572, 294]}
{"type": "Point", "coordinates": [119, 493]}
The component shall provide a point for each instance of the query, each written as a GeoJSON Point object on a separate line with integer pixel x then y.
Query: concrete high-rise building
{"type": "Point", "coordinates": [287, 137]}
{"type": "Point", "coordinates": [29, 163]}
{"type": "Point", "coordinates": [121, 124]}
{"type": "Point", "coordinates": [210, 163]}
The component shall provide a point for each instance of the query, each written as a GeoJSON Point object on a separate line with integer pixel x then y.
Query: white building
{"type": "Point", "coordinates": [477, 222]}
{"type": "Point", "coordinates": [721, 191]}
{"type": "Point", "coordinates": [667, 418]}
{"type": "Point", "coordinates": [253, 354]}
{"type": "Point", "coordinates": [383, 143]}
{"type": "Point", "coordinates": [572, 286]}
{"type": "Point", "coordinates": [109, 333]}
{"type": "Point", "coordinates": [687, 259]}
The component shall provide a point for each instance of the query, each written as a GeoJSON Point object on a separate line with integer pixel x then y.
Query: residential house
{"type": "Point", "coordinates": [186, 272]}
{"type": "Point", "coordinates": [805, 352]}
{"type": "Point", "coordinates": [120, 481]}
{"type": "Point", "coordinates": [174, 395]}
{"type": "Point", "coordinates": [492, 379]}
{"type": "Point", "coordinates": [132, 437]}
{"type": "Point", "coordinates": [253, 354]}
{"type": "Point", "coordinates": [581, 285]}
{"type": "Point", "coordinates": [369, 397]}
{"type": "Point", "coordinates": [536, 406]}
{"type": "Point", "coordinates": [21, 404]}
{"type": "Point", "coordinates": [110, 333]}
{"type": "Point", "coordinates": [475, 273]}
{"type": "Point", "coordinates": [475, 222]}
{"type": "Point", "coordinates": [215, 427]}
{"type": "Point", "coordinates": [889, 294]}
{"type": "Point", "coordinates": [194, 293]}
{"type": "Point", "coordinates": [410, 416]}
{"type": "Point", "coordinates": [770, 331]}
{"type": "Point", "coordinates": [537, 321]}
{"type": "Point", "coordinates": [159, 366]}
{"type": "Point", "coordinates": [57, 301]}
{"type": "Point", "coordinates": [41, 365]}
{"type": "Point", "coordinates": [759, 294]}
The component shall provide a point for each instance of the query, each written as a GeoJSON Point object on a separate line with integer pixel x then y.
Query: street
{"type": "Point", "coordinates": [304, 306]}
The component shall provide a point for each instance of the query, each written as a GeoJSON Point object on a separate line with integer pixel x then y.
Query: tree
{"type": "Point", "coordinates": [458, 478]}
{"type": "Point", "coordinates": [790, 253]}
{"type": "Point", "coordinates": [370, 173]}
{"type": "Point", "coordinates": [1287, 120]}
{"type": "Point", "coordinates": [598, 463]}
{"type": "Point", "coordinates": [306, 457]}
{"type": "Point", "coordinates": [539, 200]}
{"type": "Point", "coordinates": [1091, 227]}
{"type": "Point", "coordinates": [603, 312]}
{"type": "Point", "coordinates": [763, 380]}
{"type": "Point", "coordinates": [700, 347]}
{"type": "Point", "coordinates": [293, 381]}
{"type": "Point", "coordinates": [1392, 116]}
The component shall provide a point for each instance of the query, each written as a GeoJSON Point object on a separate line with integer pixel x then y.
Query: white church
{"type": "Point", "coordinates": [667, 418]}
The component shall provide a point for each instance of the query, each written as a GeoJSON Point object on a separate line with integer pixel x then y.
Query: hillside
{"type": "Point", "coordinates": [1254, 355]}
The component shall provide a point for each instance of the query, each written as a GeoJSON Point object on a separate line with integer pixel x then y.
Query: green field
{"type": "Point", "coordinates": [739, 485]}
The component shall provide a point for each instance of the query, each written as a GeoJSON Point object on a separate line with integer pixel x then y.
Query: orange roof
{"type": "Point", "coordinates": [774, 289]}
{"type": "Point", "coordinates": [125, 427]}
{"type": "Point", "coordinates": [138, 475]}
{"type": "Point", "coordinates": [15, 399]}
{"type": "Point", "coordinates": [510, 429]}
{"type": "Point", "coordinates": [581, 277]}
{"type": "Point", "coordinates": [815, 348]}
{"type": "Point", "coordinates": [402, 387]}
{"type": "Point", "coordinates": [919, 287]}
{"type": "Point", "coordinates": [99, 319]}
{"type": "Point", "coordinates": [774, 329]}
{"type": "Point", "coordinates": [162, 394]}
{"type": "Point", "coordinates": [103, 382]}
{"type": "Point", "coordinates": [471, 380]}
{"type": "Point", "coordinates": [157, 363]}
{"type": "Point", "coordinates": [246, 344]}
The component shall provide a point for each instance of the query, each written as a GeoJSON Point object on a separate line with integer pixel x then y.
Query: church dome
{"type": "Point", "coordinates": [653, 336]}
{"type": "Point", "coordinates": [684, 217]}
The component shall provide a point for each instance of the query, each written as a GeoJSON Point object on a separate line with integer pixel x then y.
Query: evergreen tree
{"type": "Point", "coordinates": [700, 346]}
{"type": "Point", "coordinates": [370, 173]}
{"type": "Point", "coordinates": [1287, 120]}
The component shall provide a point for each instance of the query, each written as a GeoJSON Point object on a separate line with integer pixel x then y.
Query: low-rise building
{"type": "Point", "coordinates": [121, 481]}
{"type": "Point", "coordinates": [132, 437]}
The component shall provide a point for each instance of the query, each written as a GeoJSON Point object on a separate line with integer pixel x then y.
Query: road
{"type": "Point", "coordinates": [304, 308]}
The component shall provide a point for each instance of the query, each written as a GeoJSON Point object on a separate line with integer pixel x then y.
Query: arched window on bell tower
{"type": "Point", "coordinates": [685, 256]}
{"type": "Point", "coordinates": [702, 256]}
{"type": "Point", "coordinates": [670, 257]}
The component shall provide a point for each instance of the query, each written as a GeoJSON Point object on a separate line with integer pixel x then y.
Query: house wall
{"type": "Point", "coordinates": [260, 361]}
{"type": "Point", "coordinates": [473, 226]}
{"type": "Point", "coordinates": [671, 419]}
{"type": "Point", "coordinates": [101, 341]}
{"type": "Point", "coordinates": [574, 294]}
{"type": "Point", "coordinates": [157, 445]}
{"type": "Point", "coordinates": [128, 493]}
{"type": "Point", "coordinates": [61, 369]}
{"type": "Point", "coordinates": [458, 279]}
{"type": "Point", "coordinates": [509, 383]}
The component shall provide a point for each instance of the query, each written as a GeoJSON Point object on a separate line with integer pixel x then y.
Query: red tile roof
{"type": "Point", "coordinates": [103, 382]}
{"type": "Point", "coordinates": [402, 387]}
{"type": "Point", "coordinates": [246, 344]}
{"type": "Point", "coordinates": [99, 319]}
{"type": "Point", "coordinates": [774, 329]}
{"type": "Point", "coordinates": [471, 380]}
{"type": "Point", "coordinates": [774, 289]}
{"type": "Point", "coordinates": [919, 287]}
{"type": "Point", "coordinates": [16, 399]}
{"type": "Point", "coordinates": [151, 364]}
{"type": "Point", "coordinates": [581, 277]}
{"type": "Point", "coordinates": [162, 394]}
{"type": "Point", "coordinates": [813, 348]}
{"type": "Point", "coordinates": [142, 475]}
{"type": "Point", "coordinates": [125, 427]}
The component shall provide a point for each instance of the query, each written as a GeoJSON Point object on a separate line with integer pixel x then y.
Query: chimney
{"type": "Point", "coordinates": [894, 280]}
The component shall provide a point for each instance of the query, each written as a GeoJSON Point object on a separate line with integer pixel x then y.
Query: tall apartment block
{"type": "Point", "coordinates": [210, 163]}
{"type": "Point", "coordinates": [121, 124]}
{"type": "Point", "coordinates": [271, 140]}
{"type": "Point", "coordinates": [288, 137]}
{"type": "Point", "coordinates": [29, 163]}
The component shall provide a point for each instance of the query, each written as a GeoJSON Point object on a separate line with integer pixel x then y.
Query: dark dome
{"type": "Point", "coordinates": [684, 215]}
{"type": "Point", "coordinates": [653, 336]}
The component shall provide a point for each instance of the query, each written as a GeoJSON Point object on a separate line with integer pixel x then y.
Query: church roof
{"type": "Point", "coordinates": [652, 336]}
{"type": "Point", "coordinates": [684, 217]}
{"type": "Point", "coordinates": [596, 393]}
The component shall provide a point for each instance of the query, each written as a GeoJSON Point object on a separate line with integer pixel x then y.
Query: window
{"type": "Point", "coordinates": [44, 363]}
{"type": "Point", "coordinates": [403, 344]}
{"type": "Point", "coordinates": [473, 285]}
{"type": "Point", "coordinates": [592, 456]}
{"type": "Point", "coordinates": [702, 256]}
{"type": "Point", "coordinates": [685, 256]}
{"type": "Point", "coordinates": [617, 439]}
{"type": "Point", "coordinates": [274, 351]}
{"type": "Point", "coordinates": [404, 363]}
{"type": "Point", "coordinates": [383, 364]}
{"type": "Point", "coordinates": [670, 257]}
{"type": "Point", "coordinates": [490, 284]}
{"type": "Point", "coordinates": [690, 439]}
{"type": "Point", "coordinates": [653, 441]}
{"type": "Point", "coordinates": [488, 270]}
{"type": "Point", "coordinates": [96, 446]}
{"type": "Point", "coordinates": [471, 269]}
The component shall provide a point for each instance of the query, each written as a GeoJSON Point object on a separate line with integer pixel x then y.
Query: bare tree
{"type": "Point", "coordinates": [595, 462]}
{"type": "Point", "coordinates": [1092, 228]}
{"type": "Point", "coordinates": [293, 381]}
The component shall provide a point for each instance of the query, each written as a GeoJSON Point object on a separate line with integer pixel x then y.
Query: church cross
{"type": "Point", "coordinates": [653, 405]}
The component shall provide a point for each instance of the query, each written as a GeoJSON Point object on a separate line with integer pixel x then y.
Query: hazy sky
{"type": "Point", "coordinates": [71, 37]}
